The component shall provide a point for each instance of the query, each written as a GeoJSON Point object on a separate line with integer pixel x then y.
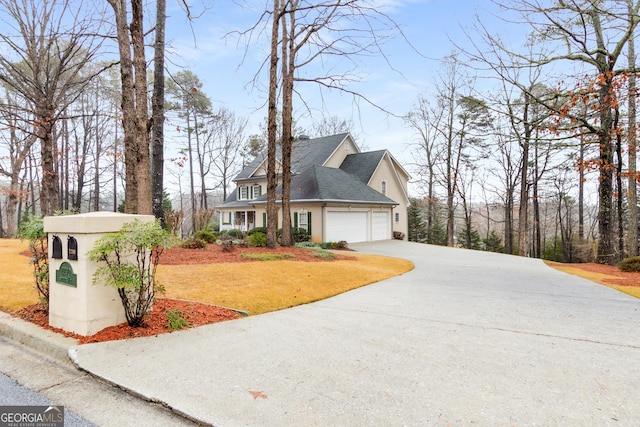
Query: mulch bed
{"type": "Point", "coordinates": [197, 314]}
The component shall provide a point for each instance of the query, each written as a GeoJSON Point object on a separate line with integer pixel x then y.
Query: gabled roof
{"type": "Point", "coordinates": [304, 154]}
{"type": "Point", "coordinates": [312, 152]}
{"type": "Point", "coordinates": [319, 183]}
{"type": "Point", "coordinates": [362, 165]}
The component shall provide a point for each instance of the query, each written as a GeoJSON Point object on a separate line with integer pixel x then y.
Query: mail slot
{"type": "Point", "coordinates": [57, 248]}
{"type": "Point", "coordinates": [72, 248]}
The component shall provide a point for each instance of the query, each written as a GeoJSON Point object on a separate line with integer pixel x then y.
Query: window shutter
{"type": "Point", "coordinates": [250, 193]}
{"type": "Point", "coordinates": [264, 219]}
{"type": "Point", "coordinates": [295, 220]}
{"type": "Point", "coordinates": [309, 222]}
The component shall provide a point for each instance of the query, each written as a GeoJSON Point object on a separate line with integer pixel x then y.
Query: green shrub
{"type": "Point", "coordinates": [193, 243]}
{"type": "Point", "coordinates": [307, 245]}
{"type": "Point", "coordinates": [205, 235]}
{"type": "Point", "coordinates": [235, 233]}
{"type": "Point", "coordinates": [262, 230]}
{"type": "Point", "coordinates": [32, 229]}
{"type": "Point", "coordinates": [630, 264]}
{"type": "Point", "coordinates": [298, 234]}
{"type": "Point", "coordinates": [258, 239]}
{"type": "Point", "coordinates": [342, 244]}
{"type": "Point", "coordinates": [266, 257]}
{"type": "Point", "coordinates": [129, 261]}
{"type": "Point", "coordinates": [176, 320]}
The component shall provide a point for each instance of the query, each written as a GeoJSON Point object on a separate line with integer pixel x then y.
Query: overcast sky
{"type": "Point", "coordinates": [226, 68]}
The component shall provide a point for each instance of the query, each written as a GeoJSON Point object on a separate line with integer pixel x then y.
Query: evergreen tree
{"type": "Point", "coordinates": [469, 240]}
{"type": "Point", "coordinates": [417, 227]}
{"type": "Point", "coordinates": [493, 243]}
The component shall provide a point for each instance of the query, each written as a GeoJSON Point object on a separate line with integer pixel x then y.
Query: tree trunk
{"type": "Point", "coordinates": [632, 236]}
{"type": "Point", "coordinates": [157, 150]}
{"type": "Point", "coordinates": [288, 67]}
{"type": "Point", "coordinates": [128, 106]}
{"type": "Point", "coordinates": [523, 214]}
{"type": "Point", "coordinates": [606, 249]}
{"type": "Point", "coordinates": [142, 142]}
{"type": "Point", "coordinates": [272, 129]}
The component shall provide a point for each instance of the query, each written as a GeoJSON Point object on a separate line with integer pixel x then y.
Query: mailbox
{"type": "Point", "coordinates": [56, 252]}
{"type": "Point", "coordinates": [72, 248]}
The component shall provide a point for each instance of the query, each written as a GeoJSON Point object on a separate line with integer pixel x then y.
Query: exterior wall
{"type": "Point", "coordinates": [396, 187]}
{"type": "Point", "coordinates": [344, 149]}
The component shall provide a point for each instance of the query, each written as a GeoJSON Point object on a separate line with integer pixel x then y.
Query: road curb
{"type": "Point", "coordinates": [35, 337]}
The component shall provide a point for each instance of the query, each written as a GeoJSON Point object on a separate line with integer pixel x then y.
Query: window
{"type": "Point", "coordinates": [256, 191]}
{"type": "Point", "coordinates": [243, 192]}
{"type": "Point", "coordinates": [383, 188]}
{"type": "Point", "coordinates": [302, 220]}
{"type": "Point", "coordinates": [397, 217]}
{"type": "Point", "coordinates": [226, 217]}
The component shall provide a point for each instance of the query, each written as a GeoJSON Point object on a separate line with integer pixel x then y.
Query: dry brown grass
{"type": "Point", "coordinates": [599, 277]}
{"type": "Point", "coordinates": [255, 287]}
{"type": "Point", "coordinates": [17, 285]}
{"type": "Point", "coordinates": [260, 287]}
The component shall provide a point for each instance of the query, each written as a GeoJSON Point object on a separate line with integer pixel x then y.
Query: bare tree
{"type": "Point", "coordinates": [224, 140]}
{"type": "Point", "coordinates": [305, 32]}
{"type": "Point", "coordinates": [49, 43]}
{"type": "Point", "coordinates": [15, 144]}
{"type": "Point", "coordinates": [425, 120]}
{"type": "Point", "coordinates": [588, 36]}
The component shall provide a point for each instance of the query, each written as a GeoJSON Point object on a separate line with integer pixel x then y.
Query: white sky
{"type": "Point", "coordinates": [227, 69]}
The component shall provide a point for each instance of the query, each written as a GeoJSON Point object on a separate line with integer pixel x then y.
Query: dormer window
{"type": "Point", "coordinates": [243, 192]}
{"type": "Point", "coordinates": [246, 192]}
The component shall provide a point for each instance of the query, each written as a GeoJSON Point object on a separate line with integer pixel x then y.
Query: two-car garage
{"type": "Point", "coordinates": [362, 225]}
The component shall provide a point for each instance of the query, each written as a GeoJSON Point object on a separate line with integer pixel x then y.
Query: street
{"type": "Point", "coordinates": [30, 378]}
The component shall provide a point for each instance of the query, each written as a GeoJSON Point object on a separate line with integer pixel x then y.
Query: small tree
{"type": "Point", "coordinates": [418, 231]}
{"type": "Point", "coordinates": [493, 243]}
{"type": "Point", "coordinates": [130, 259]}
{"type": "Point", "coordinates": [33, 230]}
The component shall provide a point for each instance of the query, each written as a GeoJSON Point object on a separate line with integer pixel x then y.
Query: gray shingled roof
{"type": "Point", "coordinates": [319, 183]}
{"type": "Point", "coordinates": [362, 165]}
{"type": "Point", "coordinates": [313, 182]}
{"type": "Point", "coordinates": [305, 153]}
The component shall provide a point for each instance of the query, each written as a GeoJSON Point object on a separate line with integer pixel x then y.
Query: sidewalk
{"type": "Point", "coordinates": [466, 337]}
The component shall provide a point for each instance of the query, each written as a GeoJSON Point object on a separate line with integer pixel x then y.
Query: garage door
{"type": "Point", "coordinates": [381, 227]}
{"type": "Point", "coordinates": [349, 226]}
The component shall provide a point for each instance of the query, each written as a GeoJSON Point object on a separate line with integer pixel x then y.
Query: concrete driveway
{"type": "Point", "coordinates": [465, 338]}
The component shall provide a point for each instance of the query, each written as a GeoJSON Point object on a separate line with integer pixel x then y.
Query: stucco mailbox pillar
{"type": "Point", "coordinates": [75, 304]}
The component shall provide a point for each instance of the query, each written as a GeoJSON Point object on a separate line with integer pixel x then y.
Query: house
{"type": "Point", "coordinates": [337, 192]}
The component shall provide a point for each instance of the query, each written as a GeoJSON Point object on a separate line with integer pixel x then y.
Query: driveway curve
{"type": "Point", "coordinates": [467, 337]}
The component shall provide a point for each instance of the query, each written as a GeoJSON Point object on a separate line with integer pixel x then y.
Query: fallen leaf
{"type": "Point", "coordinates": [257, 394]}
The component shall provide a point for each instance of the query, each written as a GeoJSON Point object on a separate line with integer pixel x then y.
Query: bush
{"type": "Point", "coordinates": [176, 320]}
{"type": "Point", "coordinates": [342, 244]}
{"type": "Point", "coordinates": [227, 245]}
{"type": "Point", "coordinates": [32, 229]}
{"type": "Point", "coordinates": [298, 234]}
{"type": "Point", "coordinates": [193, 243]}
{"type": "Point", "coordinates": [205, 235]}
{"type": "Point", "coordinates": [235, 233]}
{"type": "Point", "coordinates": [258, 239]}
{"type": "Point", "coordinates": [129, 260]}
{"type": "Point", "coordinates": [630, 264]}
{"type": "Point", "coordinates": [262, 230]}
